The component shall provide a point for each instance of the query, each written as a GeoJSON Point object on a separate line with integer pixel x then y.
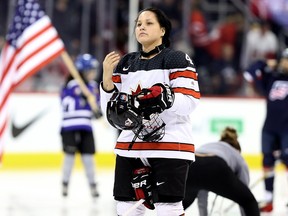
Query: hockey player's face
{"type": "Point", "coordinates": [148, 31]}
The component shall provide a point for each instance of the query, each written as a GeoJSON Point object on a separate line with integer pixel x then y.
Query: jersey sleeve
{"type": "Point", "coordinates": [256, 74]}
{"type": "Point", "coordinates": [184, 82]}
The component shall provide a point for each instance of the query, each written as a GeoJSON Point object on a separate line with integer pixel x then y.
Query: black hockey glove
{"type": "Point", "coordinates": [155, 99]}
{"type": "Point", "coordinates": [98, 114]}
{"type": "Point", "coordinates": [141, 182]}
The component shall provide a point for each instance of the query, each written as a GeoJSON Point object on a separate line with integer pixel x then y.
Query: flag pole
{"type": "Point", "coordinates": [75, 74]}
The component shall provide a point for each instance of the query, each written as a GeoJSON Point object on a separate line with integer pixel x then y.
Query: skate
{"type": "Point", "coordinates": [94, 191]}
{"type": "Point", "coordinates": [266, 206]}
{"type": "Point", "coordinates": [64, 189]}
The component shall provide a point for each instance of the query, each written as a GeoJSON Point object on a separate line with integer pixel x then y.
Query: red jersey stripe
{"type": "Point", "coordinates": [116, 78]}
{"type": "Point", "coordinates": [164, 146]}
{"type": "Point", "coordinates": [195, 94]}
{"type": "Point", "coordinates": [185, 74]}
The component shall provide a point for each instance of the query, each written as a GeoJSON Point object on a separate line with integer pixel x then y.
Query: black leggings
{"type": "Point", "coordinates": [213, 174]}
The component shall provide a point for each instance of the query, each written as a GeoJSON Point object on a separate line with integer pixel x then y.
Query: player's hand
{"type": "Point", "coordinates": [97, 114]}
{"type": "Point", "coordinates": [141, 182]}
{"type": "Point", "coordinates": [155, 99]}
{"type": "Point", "coordinates": [110, 62]}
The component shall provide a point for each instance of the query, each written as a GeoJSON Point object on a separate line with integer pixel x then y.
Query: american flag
{"type": "Point", "coordinates": [31, 43]}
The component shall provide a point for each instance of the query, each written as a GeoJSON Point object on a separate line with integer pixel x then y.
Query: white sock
{"type": "Point", "coordinates": [268, 196]}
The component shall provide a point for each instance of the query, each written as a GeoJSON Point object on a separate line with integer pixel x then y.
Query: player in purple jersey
{"type": "Point", "coordinates": [270, 78]}
{"type": "Point", "coordinates": [76, 128]}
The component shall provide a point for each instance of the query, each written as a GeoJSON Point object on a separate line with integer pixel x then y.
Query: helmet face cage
{"type": "Point", "coordinates": [151, 130]}
{"type": "Point", "coordinates": [123, 115]}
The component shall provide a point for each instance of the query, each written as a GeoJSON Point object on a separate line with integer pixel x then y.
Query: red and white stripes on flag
{"type": "Point", "coordinates": [31, 43]}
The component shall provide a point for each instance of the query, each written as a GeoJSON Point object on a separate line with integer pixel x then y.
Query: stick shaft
{"type": "Point", "coordinates": [75, 74]}
{"type": "Point", "coordinates": [138, 203]}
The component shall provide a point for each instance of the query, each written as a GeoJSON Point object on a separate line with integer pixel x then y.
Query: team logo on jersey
{"type": "Point", "coordinates": [279, 90]}
{"type": "Point", "coordinates": [136, 90]}
{"type": "Point", "coordinates": [128, 122]}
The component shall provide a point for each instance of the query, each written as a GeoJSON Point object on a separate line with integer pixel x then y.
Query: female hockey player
{"type": "Point", "coordinates": [220, 168]}
{"type": "Point", "coordinates": [76, 127]}
{"type": "Point", "coordinates": [153, 93]}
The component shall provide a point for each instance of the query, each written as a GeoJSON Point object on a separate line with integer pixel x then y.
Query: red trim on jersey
{"type": "Point", "coordinates": [164, 146]}
{"type": "Point", "coordinates": [186, 74]}
{"type": "Point", "coordinates": [186, 91]}
{"type": "Point", "coordinates": [116, 78]}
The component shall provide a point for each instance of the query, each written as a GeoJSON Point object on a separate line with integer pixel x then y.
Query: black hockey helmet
{"type": "Point", "coordinates": [123, 115]}
{"type": "Point", "coordinates": [121, 112]}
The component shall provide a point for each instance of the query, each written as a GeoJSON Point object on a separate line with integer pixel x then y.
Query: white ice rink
{"type": "Point", "coordinates": [38, 193]}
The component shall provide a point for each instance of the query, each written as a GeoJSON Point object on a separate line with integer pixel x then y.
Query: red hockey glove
{"type": "Point", "coordinates": [141, 182]}
{"type": "Point", "coordinates": [155, 99]}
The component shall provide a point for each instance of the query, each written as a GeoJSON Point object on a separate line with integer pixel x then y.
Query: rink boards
{"type": "Point", "coordinates": [39, 144]}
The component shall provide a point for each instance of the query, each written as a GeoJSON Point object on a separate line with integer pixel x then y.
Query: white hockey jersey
{"type": "Point", "coordinates": [176, 69]}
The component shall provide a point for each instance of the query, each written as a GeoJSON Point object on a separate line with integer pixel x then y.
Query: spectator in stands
{"type": "Point", "coordinates": [225, 74]}
{"type": "Point", "coordinates": [199, 35]}
{"type": "Point", "coordinates": [261, 43]}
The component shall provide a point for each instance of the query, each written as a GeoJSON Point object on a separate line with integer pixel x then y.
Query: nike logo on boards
{"type": "Point", "coordinates": [18, 130]}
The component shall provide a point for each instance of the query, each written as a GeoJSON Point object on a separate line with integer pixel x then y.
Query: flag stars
{"type": "Point", "coordinates": [26, 13]}
{"type": "Point", "coordinates": [28, 5]}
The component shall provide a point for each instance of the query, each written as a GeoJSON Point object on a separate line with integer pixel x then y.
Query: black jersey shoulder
{"type": "Point", "coordinates": [177, 59]}
{"type": "Point", "coordinates": [166, 59]}
{"type": "Point", "coordinates": [124, 65]}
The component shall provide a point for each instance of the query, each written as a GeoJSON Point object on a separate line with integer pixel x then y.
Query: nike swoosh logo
{"type": "Point", "coordinates": [18, 130]}
{"type": "Point", "coordinates": [125, 69]}
{"type": "Point", "coordinates": [159, 183]}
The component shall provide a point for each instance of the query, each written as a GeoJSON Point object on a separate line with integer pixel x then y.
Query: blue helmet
{"type": "Point", "coordinates": [86, 62]}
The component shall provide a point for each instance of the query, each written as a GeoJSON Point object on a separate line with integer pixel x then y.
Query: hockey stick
{"type": "Point", "coordinates": [213, 204]}
{"type": "Point", "coordinates": [138, 203]}
{"type": "Point", "coordinates": [73, 71]}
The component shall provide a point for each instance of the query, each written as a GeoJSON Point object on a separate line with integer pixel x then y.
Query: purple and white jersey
{"type": "Point", "coordinates": [76, 111]}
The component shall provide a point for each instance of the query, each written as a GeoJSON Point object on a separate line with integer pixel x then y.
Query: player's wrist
{"type": "Point", "coordinates": [108, 85]}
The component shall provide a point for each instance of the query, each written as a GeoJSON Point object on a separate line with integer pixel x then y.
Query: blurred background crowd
{"type": "Point", "coordinates": [223, 37]}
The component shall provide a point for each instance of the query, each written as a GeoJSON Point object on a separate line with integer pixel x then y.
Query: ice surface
{"type": "Point", "coordinates": [38, 193]}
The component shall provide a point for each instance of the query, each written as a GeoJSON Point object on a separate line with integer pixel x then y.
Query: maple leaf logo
{"type": "Point", "coordinates": [137, 90]}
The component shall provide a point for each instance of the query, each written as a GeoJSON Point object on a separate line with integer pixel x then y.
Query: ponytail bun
{"type": "Point", "coordinates": [229, 135]}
